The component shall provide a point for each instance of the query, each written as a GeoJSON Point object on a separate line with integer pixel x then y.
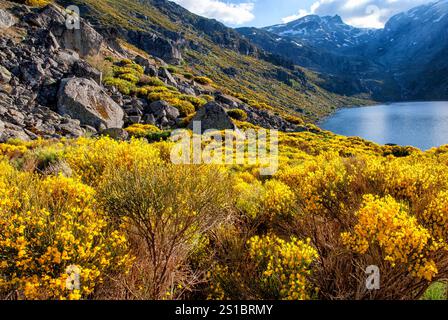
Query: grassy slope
{"type": "Point", "coordinates": [254, 78]}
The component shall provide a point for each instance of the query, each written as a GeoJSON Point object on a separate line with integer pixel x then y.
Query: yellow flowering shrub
{"type": "Point", "coordinates": [435, 217]}
{"type": "Point", "coordinates": [141, 130]}
{"type": "Point", "coordinates": [52, 233]}
{"type": "Point", "coordinates": [385, 223]}
{"type": "Point", "coordinates": [279, 198]}
{"type": "Point", "coordinates": [92, 159]}
{"type": "Point", "coordinates": [284, 265]}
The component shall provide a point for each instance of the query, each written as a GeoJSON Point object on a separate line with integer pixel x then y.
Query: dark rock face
{"type": "Point", "coordinates": [163, 48]}
{"type": "Point", "coordinates": [161, 113]}
{"type": "Point", "coordinates": [85, 40]}
{"type": "Point", "coordinates": [165, 74]}
{"type": "Point", "coordinates": [82, 69]}
{"type": "Point", "coordinates": [212, 116]}
{"type": "Point", "coordinates": [83, 99]}
{"type": "Point", "coordinates": [150, 69]}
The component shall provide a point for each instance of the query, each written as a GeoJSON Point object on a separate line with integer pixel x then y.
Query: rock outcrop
{"type": "Point", "coordinates": [83, 39]}
{"type": "Point", "coordinates": [212, 117]}
{"type": "Point", "coordinates": [85, 100]}
{"type": "Point", "coordinates": [7, 20]}
{"type": "Point", "coordinates": [165, 49]}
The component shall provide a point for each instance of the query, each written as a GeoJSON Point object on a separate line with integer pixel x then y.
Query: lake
{"type": "Point", "coordinates": [420, 124]}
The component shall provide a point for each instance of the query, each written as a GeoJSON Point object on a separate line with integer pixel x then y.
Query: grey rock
{"type": "Point", "coordinates": [187, 90]}
{"type": "Point", "coordinates": [82, 69]}
{"type": "Point", "coordinates": [149, 119]}
{"type": "Point", "coordinates": [227, 100]}
{"type": "Point", "coordinates": [11, 131]}
{"type": "Point", "coordinates": [84, 40]}
{"type": "Point", "coordinates": [71, 127]}
{"type": "Point", "coordinates": [162, 108]}
{"type": "Point", "coordinates": [135, 119]}
{"type": "Point", "coordinates": [116, 134]}
{"type": "Point", "coordinates": [165, 74]}
{"type": "Point", "coordinates": [85, 100]}
{"type": "Point", "coordinates": [160, 47]}
{"type": "Point", "coordinates": [150, 69]}
{"type": "Point", "coordinates": [7, 20]}
{"type": "Point", "coordinates": [5, 75]}
{"type": "Point", "coordinates": [66, 58]}
{"type": "Point", "coordinates": [32, 72]}
{"type": "Point", "coordinates": [212, 117]}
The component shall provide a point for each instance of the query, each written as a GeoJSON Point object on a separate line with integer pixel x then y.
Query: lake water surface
{"type": "Point", "coordinates": [420, 124]}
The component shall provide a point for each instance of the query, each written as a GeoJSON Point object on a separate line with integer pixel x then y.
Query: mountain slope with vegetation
{"type": "Point", "coordinates": [211, 49]}
{"type": "Point", "coordinates": [92, 205]}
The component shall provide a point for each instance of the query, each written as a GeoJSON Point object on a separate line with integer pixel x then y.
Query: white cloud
{"type": "Point", "coordinates": [359, 13]}
{"type": "Point", "coordinates": [230, 13]}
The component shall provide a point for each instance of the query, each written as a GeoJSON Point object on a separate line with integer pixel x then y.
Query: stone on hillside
{"type": "Point", "coordinates": [227, 100]}
{"type": "Point", "coordinates": [66, 59]}
{"type": "Point", "coordinates": [163, 48]}
{"type": "Point", "coordinates": [7, 20]}
{"type": "Point", "coordinates": [84, 99]}
{"type": "Point", "coordinates": [162, 109]}
{"type": "Point", "coordinates": [11, 131]}
{"type": "Point", "coordinates": [82, 69]}
{"type": "Point", "coordinates": [165, 74]}
{"type": "Point", "coordinates": [71, 127]}
{"type": "Point", "coordinates": [84, 40]}
{"type": "Point", "coordinates": [32, 72]}
{"type": "Point", "coordinates": [150, 68]}
{"type": "Point", "coordinates": [116, 134]}
{"type": "Point", "coordinates": [5, 75]}
{"type": "Point", "coordinates": [212, 116]}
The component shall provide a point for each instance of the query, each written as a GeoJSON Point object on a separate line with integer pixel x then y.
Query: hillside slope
{"type": "Point", "coordinates": [210, 48]}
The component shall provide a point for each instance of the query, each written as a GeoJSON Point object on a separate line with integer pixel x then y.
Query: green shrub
{"type": "Point", "coordinates": [197, 102]}
{"type": "Point", "coordinates": [188, 76]}
{"type": "Point", "coordinates": [152, 89]}
{"type": "Point", "coordinates": [207, 97]}
{"type": "Point", "coordinates": [128, 64]}
{"type": "Point", "coordinates": [237, 114]}
{"type": "Point", "coordinates": [151, 81]}
{"type": "Point", "coordinates": [140, 92]}
{"type": "Point", "coordinates": [203, 80]}
{"type": "Point", "coordinates": [163, 95]}
{"type": "Point", "coordinates": [185, 108]}
{"type": "Point", "coordinates": [129, 77]}
{"type": "Point", "coordinates": [172, 69]}
{"type": "Point", "coordinates": [124, 86]}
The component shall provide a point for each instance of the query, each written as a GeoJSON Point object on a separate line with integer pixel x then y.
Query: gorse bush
{"type": "Point", "coordinates": [285, 266]}
{"type": "Point", "coordinates": [48, 226]}
{"type": "Point", "coordinates": [203, 80]}
{"type": "Point", "coordinates": [137, 226]}
{"type": "Point", "coordinates": [237, 114]}
{"type": "Point", "coordinates": [151, 81]}
{"type": "Point", "coordinates": [142, 130]}
{"type": "Point", "coordinates": [123, 85]}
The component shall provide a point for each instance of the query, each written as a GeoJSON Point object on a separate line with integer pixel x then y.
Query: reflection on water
{"type": "Point", "coordinates": [420, 124]}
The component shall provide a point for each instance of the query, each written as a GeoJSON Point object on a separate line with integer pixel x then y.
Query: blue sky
{"type": "Point", "coordinates": [260, 13]}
